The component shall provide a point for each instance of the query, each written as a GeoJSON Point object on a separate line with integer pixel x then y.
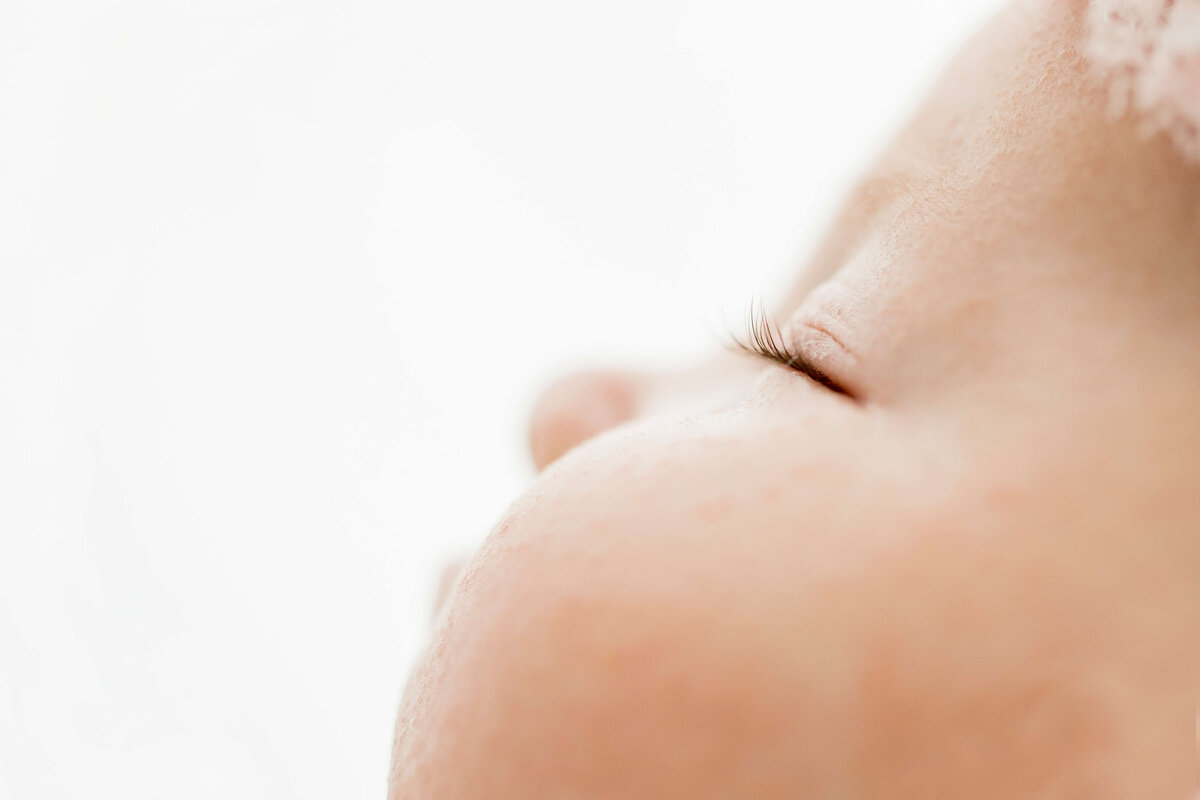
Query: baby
{"type": "Point", "coordinates": [935, 534]}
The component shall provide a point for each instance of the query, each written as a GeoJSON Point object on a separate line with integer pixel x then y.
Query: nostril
{"type": "Point", "coordinates": [576, 408]}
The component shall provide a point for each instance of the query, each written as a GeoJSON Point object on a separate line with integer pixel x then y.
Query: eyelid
{"type": "Point", "coordinates": [765, 340]}
{"type": "Point", "coordinates": [801, 363]}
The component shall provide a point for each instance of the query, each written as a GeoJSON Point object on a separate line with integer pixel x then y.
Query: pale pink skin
{"type": "Point", "coordinates": [981, 581]}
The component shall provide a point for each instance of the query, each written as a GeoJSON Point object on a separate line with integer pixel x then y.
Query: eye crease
{"type": "Point", "coordinates": [763, 340]}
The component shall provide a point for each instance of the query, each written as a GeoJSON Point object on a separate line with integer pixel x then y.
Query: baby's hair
{"type": "Point", "coordinates": [1149, 50]}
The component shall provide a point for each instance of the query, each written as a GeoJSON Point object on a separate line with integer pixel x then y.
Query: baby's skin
{"type": "Point", "coordinates": [965, 564]}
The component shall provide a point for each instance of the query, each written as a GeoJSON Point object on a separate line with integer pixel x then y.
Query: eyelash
{"type": "Point", "coordinates": [763, 339]}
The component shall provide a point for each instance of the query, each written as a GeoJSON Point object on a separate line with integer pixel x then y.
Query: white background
{"type": "Point", "coordinates": [278, 284]}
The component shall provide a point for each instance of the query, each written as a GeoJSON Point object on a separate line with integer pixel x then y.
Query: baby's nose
{"type": "Point", "coordinates": [578, 407]}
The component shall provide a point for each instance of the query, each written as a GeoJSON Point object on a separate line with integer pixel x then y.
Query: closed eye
{"type": "Point", "coordinates": [763, 339]}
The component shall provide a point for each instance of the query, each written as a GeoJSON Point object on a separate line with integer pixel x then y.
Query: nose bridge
{"type": "Point", "coordinates": [578, 407]}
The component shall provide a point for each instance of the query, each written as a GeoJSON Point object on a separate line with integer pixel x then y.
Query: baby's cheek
{"type": "Point", "coordinates": [709, 612]}
{"type": "Point", "coordinates": [629, 631]}
{"type": "Point", "coordinates": [557, 680]}
{"type": "Point", "coordinates": [986, 669]}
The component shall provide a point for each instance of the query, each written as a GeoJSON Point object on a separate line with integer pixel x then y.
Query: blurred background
{"type": "Point", "coordinates": [279, 282]}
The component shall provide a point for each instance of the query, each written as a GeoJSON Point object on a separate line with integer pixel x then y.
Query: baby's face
{"type": "Point", "coordinates": [964, 562]}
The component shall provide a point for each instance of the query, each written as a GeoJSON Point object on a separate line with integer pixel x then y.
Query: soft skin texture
{"type": "Point", "coordinates": [979, 577]}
